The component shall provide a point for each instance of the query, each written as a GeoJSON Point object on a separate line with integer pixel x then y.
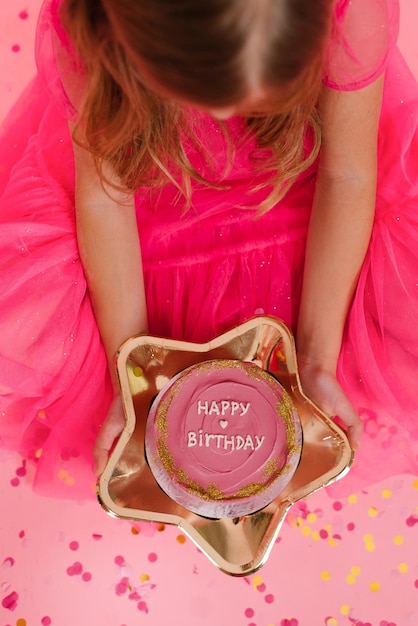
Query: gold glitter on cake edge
{"type": "Point", "coordinates": [284, 407]}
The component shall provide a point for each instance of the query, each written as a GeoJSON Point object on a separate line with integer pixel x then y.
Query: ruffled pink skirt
{"type": "Point", "coordinates": [205, 271]}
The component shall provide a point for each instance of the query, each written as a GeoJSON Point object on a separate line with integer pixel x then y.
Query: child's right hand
{"type": "Point", "coordinates": [109, 431]}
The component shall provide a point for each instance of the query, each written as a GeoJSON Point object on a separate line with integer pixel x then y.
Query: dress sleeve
{"type": "Point", "coordinates": [363, 35]}
{"type": "Point", "coordinates": [58, 65]}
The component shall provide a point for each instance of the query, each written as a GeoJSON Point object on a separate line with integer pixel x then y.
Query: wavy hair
{"type": "Point", "coordinates": [211, 53]}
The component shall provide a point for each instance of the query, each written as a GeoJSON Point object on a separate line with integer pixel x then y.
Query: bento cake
{"type": "Point", "coordinates": [223, 438]}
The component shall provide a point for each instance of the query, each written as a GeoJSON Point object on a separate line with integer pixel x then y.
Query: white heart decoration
{"type": "Point", "coordinates": [223, 423]}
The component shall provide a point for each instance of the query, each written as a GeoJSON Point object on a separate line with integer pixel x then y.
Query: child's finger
{"type": "Point", "coordinates": [111, 429]}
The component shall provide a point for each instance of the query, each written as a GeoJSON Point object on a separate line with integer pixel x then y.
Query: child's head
{"type": "Point", "coordinates": [221, 54]}
{"type": "Point", "coordinates": [148, 61]}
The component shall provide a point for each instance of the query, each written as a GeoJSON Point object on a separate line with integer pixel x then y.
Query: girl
{"type": "Point", "coordinates": [223, 159]}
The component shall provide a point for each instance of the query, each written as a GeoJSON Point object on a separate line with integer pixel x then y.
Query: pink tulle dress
{"type": "Point", "coordinates": [206, 270]}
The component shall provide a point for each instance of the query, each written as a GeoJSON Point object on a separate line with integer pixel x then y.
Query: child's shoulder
{"type": "Point", "coordinates": [363, 34]}
{"type": "Point", "coordinates": [56, 60]}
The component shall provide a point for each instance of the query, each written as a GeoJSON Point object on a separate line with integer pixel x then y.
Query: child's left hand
{"type": "Point", "coordinates": [322, 387]}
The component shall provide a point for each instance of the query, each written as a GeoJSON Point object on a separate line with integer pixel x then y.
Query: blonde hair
{"type": "Point", "coordinates": [210, 53]}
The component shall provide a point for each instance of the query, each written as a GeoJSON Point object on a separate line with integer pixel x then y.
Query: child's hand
{"type": "Point", "coordinates": [322, 387]}
{"type": "Point", "coordinates": [111, 428]}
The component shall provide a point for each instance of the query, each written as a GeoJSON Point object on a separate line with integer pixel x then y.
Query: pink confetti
{"type": "Point", "coordinates": [8, 562]}
{"type": "Point", "coordinates": [15, 482]}
{"type": "Point", "coordinates": [65, 454]}
{"type": "Point", "coordinates": [10, 601]}
{"type": "Point", "coordinates": [46, 621]}
{"type": "Point", "coordinates": [21, 471]}
{"type": "Point", "coordinates": [289, 622]}
{"type": "Point", "coordinates": [119, 560]}
{"type": "Point", "coordinates": [135, 596]}
{"type": "Point", "coordinates": [249, 613]}
{"type": "Point", "coordinates": [75, 569]}
{"type": "Point", "coordinates": [152, 557]}
{"type": "Point", "coordinates": [15, 48]}
{"type": "Point", "coordinates": [24, 15]}
{"type": "Point", "coordinates": [337, 506]}
{"type": "Point", "coordinates": [122, 587]}
{"type": "Point", "coordinates": [86, 577]}
{"type": "Point", "coordinates": [412, 520]}
{"type": "Point", "coordinates": [142, 606]}
{"type": "Point", "coordinates": [74, 545]}
{"type": "Point", "coordinates": [269, 598]}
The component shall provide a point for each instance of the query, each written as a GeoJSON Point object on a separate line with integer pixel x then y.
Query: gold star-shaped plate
{"type": "Point", "coordinates": [127, 488]}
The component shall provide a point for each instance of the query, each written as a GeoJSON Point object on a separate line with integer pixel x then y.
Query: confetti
{"type": "Point", "coordinates": [10, 602]}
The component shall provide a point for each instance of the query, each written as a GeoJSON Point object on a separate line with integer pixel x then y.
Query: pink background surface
{"type": "Point", "coordinates": [336, 563]}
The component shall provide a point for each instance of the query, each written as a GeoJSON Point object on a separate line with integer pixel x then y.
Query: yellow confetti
{"type": "Point", "coordinates": [415, 484]}
{"type": "Point", "coordinates": [345, 609]}
{"type": "Point", "coordinates": [369, 543]}
{"type": "Point", "coordinates": [138, 371]}
{"type": "Point", "coordinates": [306, 530]}
{"type": "Point", "coordinates": [144, 578]}
{"type": "Point", "coordinates": [355, 571]}
{"type": "Point", "coordinates": [331, 621]}
{"type": "Point", "coordinates": [21, 622]}
{"type": "Point", "coordinates": [325, 575]}
{"type": "Point", "coordinates": [332, 542]}
{"type": "Point", "coordinates": [372, 511]}
{"type": "Point", "coordinates": [311, 518]}
{"type": "Point", "coordinates": [398, 540]}
{"type": "Point", "coordinates": [315, 536]}
{"type": "Point", "coordinates": [386, 493]}
{"type": "Point", "coordinates": [181, 539]}
{"type": "Point", "coordinates": [403, 568]}
{"type": "Point", "coordinates": [374, 586]}
{"type": "Point", "coordinates": [352, 499]}
{"type": "Point", "coordinates": [66, 478]}
{"type": "Point", "coordinates": [292, 521]}
{"type": "Point", "coordinates": [257, 581]}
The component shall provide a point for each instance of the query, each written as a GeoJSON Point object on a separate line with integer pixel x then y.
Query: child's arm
{"type": "Point", "coordinates": [109, 248]}
{"type": "Point", "coordinates": [339, 235]}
